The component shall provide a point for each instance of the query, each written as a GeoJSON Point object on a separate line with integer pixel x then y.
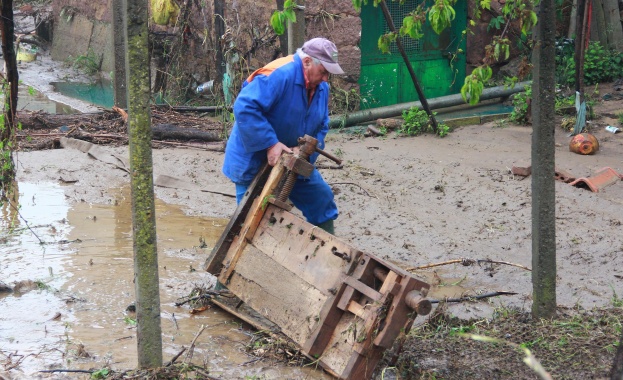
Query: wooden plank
{"type": "Point", "coordinates": [303, 249]}
{"type": "Point", "coordinates": [397, 315]}
{"type": "Point", "coordinates": [214, 262]}
{"type": "Point", "coordinates": [364, 289]}
{"type": "Point", "coordinates": [277, 294]}
{"type": "Point", "coordinates": [329, 318]}
{"type": "Point", "coordinates": [256, 212]}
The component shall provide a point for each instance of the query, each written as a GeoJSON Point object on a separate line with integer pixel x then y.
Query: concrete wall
{"type": "Point", "coordinates": [82, 28]}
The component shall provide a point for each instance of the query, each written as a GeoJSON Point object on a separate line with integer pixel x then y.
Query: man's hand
{"type": "Point", "coordinates": [274, 152]}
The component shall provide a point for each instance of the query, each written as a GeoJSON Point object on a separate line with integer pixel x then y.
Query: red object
{"type": "Point", "coordinates": [584, 143]}
{"type": "Point", "coordinates": [602, 178]}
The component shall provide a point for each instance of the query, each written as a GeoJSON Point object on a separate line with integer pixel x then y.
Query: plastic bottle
{"type": "Point", "coordinates": [612, 129]}
{"type": "Point", "coordinates": [205, 87]}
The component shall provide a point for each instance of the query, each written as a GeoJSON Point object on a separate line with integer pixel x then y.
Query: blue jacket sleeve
{"type": "Point", "coordinates": [253, 102]}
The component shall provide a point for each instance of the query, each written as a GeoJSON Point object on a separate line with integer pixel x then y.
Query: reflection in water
{"type": "Point", "coordinates": [80, 322]}
{"type": "Point", "coordinates": [98, 93]}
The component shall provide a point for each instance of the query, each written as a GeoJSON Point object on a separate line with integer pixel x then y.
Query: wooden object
{"type": "Point", "coordinates": [342, 306]}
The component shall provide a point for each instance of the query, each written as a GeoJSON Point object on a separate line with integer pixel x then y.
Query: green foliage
{"type": "Point", "coordinates": [441, 15]}
{"type": "Point", "coordinates": [278, 20]}
{"type": "Point", "coordinates": [416, 122]}
{"type": "Point", "coordinates": [600, 64]}
{"type": "Point", "coordinates": [89, 63]}
{"type": "Point", "coordinates": [475, 84]}
{"type": "Point", "coordinates": [413, 23]}
{"type": "Point", "coordinates": [620, 117]}
{"type": "Point", "coordinates": [385, 41]}
{"type": "Point", "coordinates": [520, 105]}
{"type": "Point", "coordinates": [100, 374]}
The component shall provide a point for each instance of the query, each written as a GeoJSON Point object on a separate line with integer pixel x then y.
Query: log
{"type": "Point", "coordinates": [170, 131]}
{"type": "Point", "coordinates": [41, 120]}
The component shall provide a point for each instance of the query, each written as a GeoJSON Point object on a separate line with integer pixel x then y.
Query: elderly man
{"type": "Point", "coordinates": [284, 100]}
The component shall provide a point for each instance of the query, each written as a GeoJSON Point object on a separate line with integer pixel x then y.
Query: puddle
{"type": "Point", "coordinates": [84, 272]}
{"type": "Point", "coordinates": [30, 99]}
{"type": "Point", "coordinates": [98, 93]}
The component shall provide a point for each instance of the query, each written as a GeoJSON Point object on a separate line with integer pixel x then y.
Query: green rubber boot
{"type": "Point", "coordinates": [328, 226]}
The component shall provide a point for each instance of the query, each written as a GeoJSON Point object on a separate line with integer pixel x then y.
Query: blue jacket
{"type": "Point", "coordinates": [273, 107]}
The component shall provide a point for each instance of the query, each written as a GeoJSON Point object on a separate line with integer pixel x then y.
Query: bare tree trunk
{"type": "Point", "coordinates": [283, 38]}
{"type": "Point", "coordinates": [599, 23]}
{"type": "Point", "coordinates": [118, 35]}
{"type": "Point", "coordinates": [146, 281]}
{"type": "Point", "coordinates": [296, 31]}
{"type": "Point", "coordinates": [543, 190]}
{"type": "Point", "coordinates": [219, 31]}
{"type": "Point", "coordinates": [614, 31]}
{"type": "Point", "coordinates": [572, 20]}
{"type": "Point", "coordinates": [7, 129]}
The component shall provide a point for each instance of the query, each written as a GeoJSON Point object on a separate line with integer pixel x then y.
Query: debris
{"type": "Point", "coordinates": [559, 174]}
{"type": "Point", "coordinates": [375, 131]}
{"type": "Point", "coordinates": [584, 143]}
{"type": "Point", "coordinates": [613, 129]}
{"type": "Point", "coordinates": [522, 171]}
{"type": "Point", "coordinates": [472, 298]}
{"type": "Point", "coordinates": [602, 178]}
{"type": "Point", "coordinates": [389, 123]}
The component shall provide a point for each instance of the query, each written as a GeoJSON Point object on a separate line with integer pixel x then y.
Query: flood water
{"type": "Point", "coordinates": [72, 266]}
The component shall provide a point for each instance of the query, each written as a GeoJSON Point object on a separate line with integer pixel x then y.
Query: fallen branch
{"type": "Point", "coordinates": [173, 359]}
{"type": "Point", "coordinates": [187, 145]}
{"type": "Point", "coordinates": [505, 263]}
{"type": "Point", "coordinates": [191, 349]}
{"type": "Point", "coordinates": [467, 262]}
{"type": "Point", "coordinates": [66, 370]}
{"type": "Point", "coordinates": [207, 295]}
{"type": "Point", "coordinates": [471, 298]}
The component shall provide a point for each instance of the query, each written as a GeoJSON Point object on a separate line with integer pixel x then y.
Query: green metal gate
{"type": "Point", "coordinates": [384, 78]}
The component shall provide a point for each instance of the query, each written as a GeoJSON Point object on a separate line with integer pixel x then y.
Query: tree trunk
{"type": "Point", "coordinates": [614, 31]}
{"type": "Point", "coordinates": [149, 332]}
{"type": "Point", "coordinates": [598, 23]}
{"type": "Point", "coordinates": [283, 38]}
{"type": "Point", "coordinates": [572, 20]}
{"type": "Point", "coordinates": [7, 130]}
{"type": "Point", "coordinates": [219, 31]}
{"type": "Point", "coordinates": [296, 31]}
{"type": "Point", "coordinates": [120, 64]}
{"type": "Point", "coordinates": [543, 189]}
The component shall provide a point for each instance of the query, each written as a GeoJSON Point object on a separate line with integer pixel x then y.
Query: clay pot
{"type": "Point", "coordinates": [584, 143]}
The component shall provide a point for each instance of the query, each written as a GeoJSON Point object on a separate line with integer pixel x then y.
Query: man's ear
{"type": "Point", "coordinates": [307, 61]}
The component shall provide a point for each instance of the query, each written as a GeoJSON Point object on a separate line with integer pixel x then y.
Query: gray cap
{"type": "Point", "coordinates": [324, 51]}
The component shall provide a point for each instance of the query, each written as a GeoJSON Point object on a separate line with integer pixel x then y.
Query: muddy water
{"type": "Point", "coordinates": [76, 286]}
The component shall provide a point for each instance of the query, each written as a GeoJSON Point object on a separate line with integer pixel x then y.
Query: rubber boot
{"type": "Point", "coordinates": [328, 226]}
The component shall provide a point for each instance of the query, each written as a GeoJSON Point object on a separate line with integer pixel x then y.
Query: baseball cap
{"type": "Point", "coordinates": [324, 51]}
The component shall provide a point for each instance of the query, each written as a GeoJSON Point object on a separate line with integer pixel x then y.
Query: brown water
{"type": "Point", "coordinates": [84, 272]}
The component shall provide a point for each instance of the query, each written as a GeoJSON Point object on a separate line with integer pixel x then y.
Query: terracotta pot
{"type": "Point", "coordinates": [584, 143]}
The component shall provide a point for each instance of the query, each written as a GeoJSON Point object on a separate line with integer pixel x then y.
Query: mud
{"type": "Point", "coordinates": [421, 200]}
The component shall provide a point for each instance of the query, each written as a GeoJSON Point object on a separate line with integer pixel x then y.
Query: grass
{"type": "Point", "coordinates": [577, 344]}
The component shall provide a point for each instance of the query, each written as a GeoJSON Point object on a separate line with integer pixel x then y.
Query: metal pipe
{"type": "Point", "coordinates": [363, 116]}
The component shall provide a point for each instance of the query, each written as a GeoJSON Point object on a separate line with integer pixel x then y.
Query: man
{"type": "Point", "coordinates": [286, 99]}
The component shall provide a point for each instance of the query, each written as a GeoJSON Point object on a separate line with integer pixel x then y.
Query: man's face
{"type": "Point", "coordinates": [315, 73]}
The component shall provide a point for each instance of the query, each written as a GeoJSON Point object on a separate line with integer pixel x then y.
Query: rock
{"type": "Point", "coordinates": [4, 288]}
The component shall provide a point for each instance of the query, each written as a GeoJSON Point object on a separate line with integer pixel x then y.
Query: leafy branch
{"type": "Point", "coordinates": [279, 19]}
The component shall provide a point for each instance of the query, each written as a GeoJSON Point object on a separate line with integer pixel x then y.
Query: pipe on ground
{"type": "Point", "coordinates": [435, 103]}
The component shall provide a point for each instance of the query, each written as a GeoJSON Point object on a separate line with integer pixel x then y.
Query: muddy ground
{"type": "Point", "coordinates": [423, 200]}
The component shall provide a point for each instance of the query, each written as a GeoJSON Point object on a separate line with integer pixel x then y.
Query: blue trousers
{"type": "Point", "coordinates": [313, 196]}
